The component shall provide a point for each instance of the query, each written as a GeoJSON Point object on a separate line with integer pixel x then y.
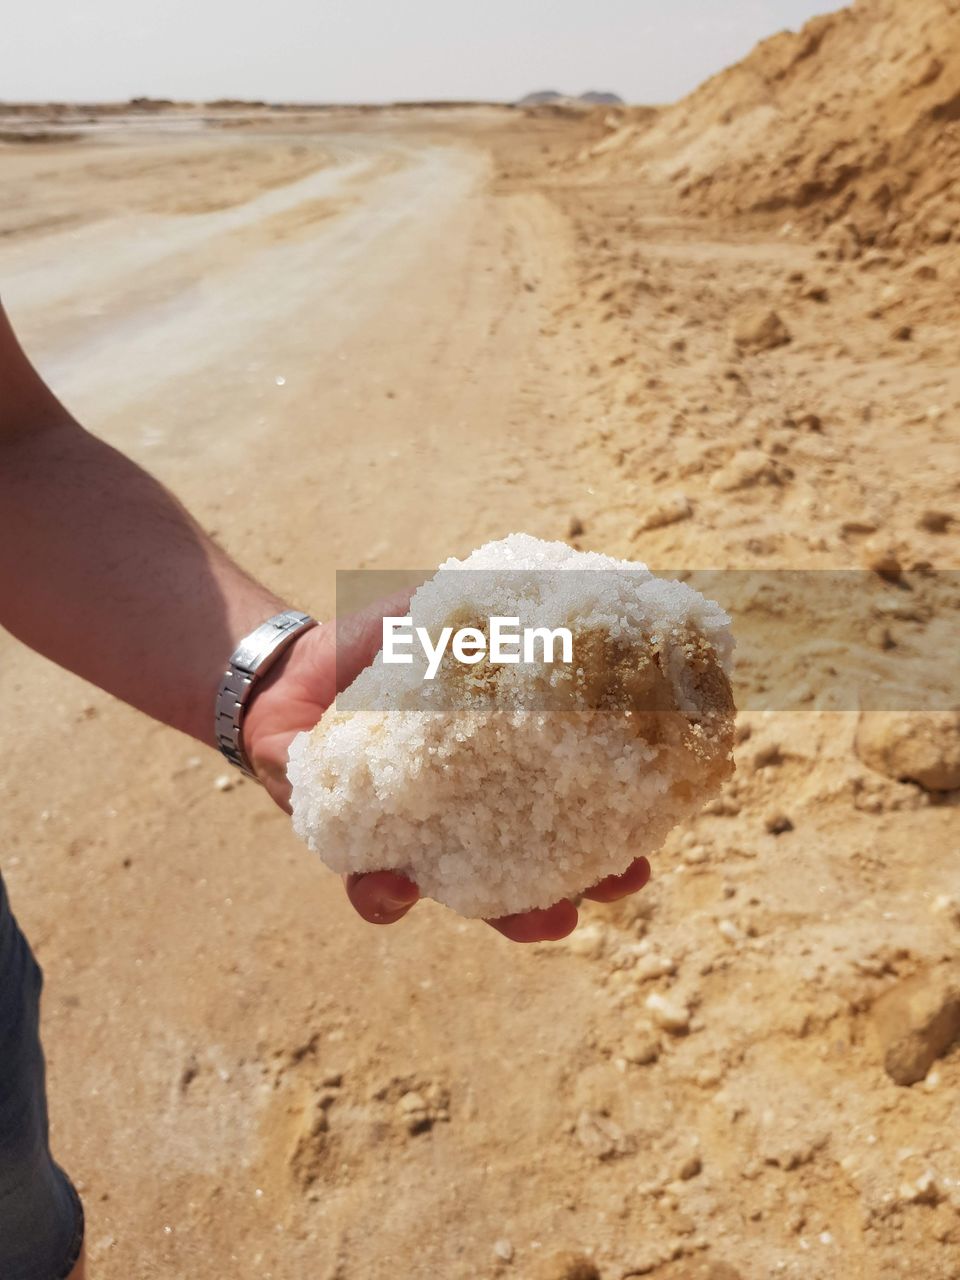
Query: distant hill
{"type": "Point", "coordinates": [547, 97]}
{"type": "Point", "coordinates": [597, 98]}
{"type": "Point", "coordinates": [541, 98]}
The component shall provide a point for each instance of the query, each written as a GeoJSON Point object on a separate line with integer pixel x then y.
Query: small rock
{"type": "Point", "coordinates": [689, 1168]}
{"type": "Point", "coordinates": [503, 1250]}
{"type": "Point", "coordinates": [671, 1015]}
{"type": "Point", "coordinates": [777, 824]}
{"type": "Point", "coordinates": [935, 521]}
{"type": "Point", "coordinates": [695, 855]}
{"type": "Point", "coordinates": [225, 782]}
{"type": "Point", "coordinates": [708, 1077]}
{"type": "Point", "coordinates": [419, 1114]}
{"type": "Point", "coordinates": [858, 525]}
{"type": "Point", "coordinates": [918, 1021]}
{"type": "Point", "coordinates": [925, 1190]}
{"type": "Point", "coordinates": [589, 941]}
{"type": "Point", "coordinates": [641, 1050]}
{"type": "Point", "coordinates": [902, 333]}
{"type": "Point", "coordinates": [565, 1266]}
{"type": "Point", "coordinates": [670, 511]}
{"type": "Point", "coordinates": [882, 559]}
{"type": "Point", "coordinates": [600, 1136]}
{"type": "Point", "coordinates": [810, 422]}
{"type": "Point", "coordinates": [904, 609]}
{"type": "Point", "coordinates": [915, 746]}
{"type": "Point", "coordinates": [760, 331]}
{"type": "Point", "coordinates": [576, 528]}
{"type": "Point", "coordinates": [730, 931]}
{"type": "Point", "coordinates": [768, 757]}
{"type": "Point", "coordinates": [654, 966]}
{"type": "Point", "coordinates": [944, 904]}
{"type": "Point", "coordinates": [746, 468]}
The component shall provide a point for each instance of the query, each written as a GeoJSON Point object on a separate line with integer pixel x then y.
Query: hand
{"type": "Point", "coordinates": [295, 695]}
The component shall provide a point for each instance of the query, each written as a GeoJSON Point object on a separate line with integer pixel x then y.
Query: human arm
{"type": "Point", "coordinates": [103, 571]}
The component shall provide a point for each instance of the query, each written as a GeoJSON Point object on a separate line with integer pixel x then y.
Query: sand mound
{"type": "Point", "coordinates": [854, 120]}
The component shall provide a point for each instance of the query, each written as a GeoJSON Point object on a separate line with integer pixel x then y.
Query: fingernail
{"type": "Point", "coordinates": [396, 904]}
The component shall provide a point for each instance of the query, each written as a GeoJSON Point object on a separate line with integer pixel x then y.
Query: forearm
{"type": "Point", "coordinates": [104, 572]}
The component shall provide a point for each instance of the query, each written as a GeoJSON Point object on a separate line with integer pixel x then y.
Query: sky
{"type": "Point", "coordinates": [377, 50]}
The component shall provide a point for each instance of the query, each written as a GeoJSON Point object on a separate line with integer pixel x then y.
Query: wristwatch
{"type": "Point", "coordinates": [249, 663]}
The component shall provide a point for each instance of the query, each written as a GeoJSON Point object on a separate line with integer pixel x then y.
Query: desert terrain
{"type": "Point", "coordinates": [378, 338]}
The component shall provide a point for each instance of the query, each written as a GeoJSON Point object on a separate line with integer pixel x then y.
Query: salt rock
{"type": "Point", "coordinates": [915, 746]}
{"type": "Point", "coordinates": [500, 788]}
{"type": "Point", "coordinates": [917, 1021]}
{"type": "Point", "coordinates": [760, 331]}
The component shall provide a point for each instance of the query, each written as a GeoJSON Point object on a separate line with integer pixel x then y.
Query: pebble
{"type": "Point", "coordinates": [671, 1015]}
{"type": "Point", "coordinates": [925, 1190]}
{"type": "Point", "coordinates": [777, 824]}
{"type": "Point", "coordinates": [708, 1077]}
{"type": "Point", "coordinates": [730, 931]}
{"type": "Point", "coordinates": [654, 966]}
{"type": "Point", "coordinates": [696, 854]}
{"type": "Point", "coordinates": [416, 1113]}
{"type": "Point", "coordinates": [935, 521]}
{"type": "Point", "coordinates": [565, 1266]}
{"type": "Point", "coordinates": [225, 782]}
{"type": "Point", "coordinates": [944, 904]}
{"type": "Point", "coordinates": [689, 1168]}
{"type": "Point", "coordinates": [917, 1021]}
{"type": "Point", "coordinates": [882, 559]}
{"type": "Point", "coordinates": [641, 1050]}
{"type": "Point", "coordinates": [600, 1136]}
{"type": "Point", "coordinates": [921, 747]}
{"type": "Point", "coordinates": [746, 468]}
{"type": "Point", "coordinates": [503, 1249]}
{"type": "Point", "coordinates": [576, 528]}
{"type": "Point", "coordinates": [589, 941]}
{"type": "Point", "coordinates": [760, 331]}
{"type": "Point", "coordinates": [670, 511]}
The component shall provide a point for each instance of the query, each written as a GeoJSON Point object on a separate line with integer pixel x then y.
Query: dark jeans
{"type": "Point", "coordinates": [41, 1218]}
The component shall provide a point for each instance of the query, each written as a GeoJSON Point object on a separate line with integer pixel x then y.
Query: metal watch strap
{"type": "Point", "coordinates": [250, 661]}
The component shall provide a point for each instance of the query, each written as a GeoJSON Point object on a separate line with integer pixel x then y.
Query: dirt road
{"type": "Point", "coordinates": [377, 342]}
{"type": "Point", "coordinates": [322, 371]}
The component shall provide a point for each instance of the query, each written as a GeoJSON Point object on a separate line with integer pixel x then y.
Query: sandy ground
{"type": "Point", "coordinates": [377, 341]}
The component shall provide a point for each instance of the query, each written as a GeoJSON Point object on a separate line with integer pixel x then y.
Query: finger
{"type": "Point", "coordinates": [359, 636]}
{"type": "Point", "coordinates": [614, 887]}
{"type": "Point", "coordinates": [546, 925]}
{"type": "Point", "coordinates": [381, 897]}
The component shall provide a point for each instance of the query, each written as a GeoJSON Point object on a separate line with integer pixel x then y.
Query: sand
{"type": "Point", "coordinates": [245, 1079]}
